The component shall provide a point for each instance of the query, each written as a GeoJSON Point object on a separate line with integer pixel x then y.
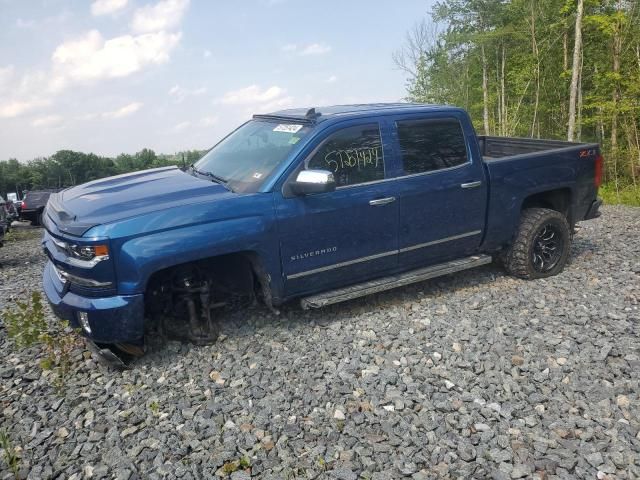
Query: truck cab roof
{"type": "Point", "coordinates": [321, 114]}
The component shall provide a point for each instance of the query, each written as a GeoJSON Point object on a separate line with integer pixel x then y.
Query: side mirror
{"type": "Point", "coordinates": [313, 181]}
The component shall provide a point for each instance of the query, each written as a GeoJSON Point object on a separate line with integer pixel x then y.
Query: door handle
{"type": "Point", "coordinates": [381, 201]}
{"type": "Point", "coordinates": [471, 184]}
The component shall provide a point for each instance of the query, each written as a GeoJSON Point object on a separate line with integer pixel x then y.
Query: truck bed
{"type": "Point", "coordinates": [497, 148]}
{"type": "Point", "coordinates": [519, 168]}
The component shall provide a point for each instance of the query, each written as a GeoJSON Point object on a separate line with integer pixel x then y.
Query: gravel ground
{"type": "Point", "coordinates": [473, 375]}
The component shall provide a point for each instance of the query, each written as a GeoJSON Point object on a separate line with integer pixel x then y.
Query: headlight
{"type": "Point", "coordinates": [89, 252]}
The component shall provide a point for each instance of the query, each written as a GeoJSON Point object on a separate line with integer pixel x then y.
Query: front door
{"type": "Point", "coordinates": [348, 235]}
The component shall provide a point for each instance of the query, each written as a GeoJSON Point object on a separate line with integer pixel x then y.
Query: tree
{"type": "Point", "coordinates": [575, 73]}
{"type": "Point", "coordinates": [510, 64]}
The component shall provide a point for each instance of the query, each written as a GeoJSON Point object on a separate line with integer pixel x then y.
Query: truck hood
{"type": "Point", "coordinates": [77, 209]}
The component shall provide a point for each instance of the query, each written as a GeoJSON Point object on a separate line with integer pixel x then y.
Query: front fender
{"type": "Point", "coordinates": [140, 257]}
{"type": "Point", "coordinates": [145, 244]}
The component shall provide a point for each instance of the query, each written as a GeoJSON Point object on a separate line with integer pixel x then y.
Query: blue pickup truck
{"type": "Point", "coordinates": [321, 205]}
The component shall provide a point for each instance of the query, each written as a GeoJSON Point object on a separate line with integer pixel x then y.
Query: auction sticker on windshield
{"type": "Point", "coordinates": [287, 128]}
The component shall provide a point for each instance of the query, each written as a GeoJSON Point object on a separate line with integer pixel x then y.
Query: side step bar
{"type": "Point", "coordinates": [387, 283]}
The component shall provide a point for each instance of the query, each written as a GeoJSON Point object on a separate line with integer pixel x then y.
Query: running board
{"type": "Point", "coordinates": [393, 281]}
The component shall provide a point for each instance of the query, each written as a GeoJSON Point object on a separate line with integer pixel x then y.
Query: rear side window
{"type": "Point", "coordinates": [353, 155]}
{"type": "Point", "coordinates": [428, 145]}
{"type": "Point", "coordinates": [37, 197]}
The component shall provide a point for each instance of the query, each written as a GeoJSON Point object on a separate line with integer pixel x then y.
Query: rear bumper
{"type": "Point", "coordinates": [29, 214]}
{"type": "Point", "coordinates": [594, 210]}
{"type": "Point", "coordinates": [113, 319]}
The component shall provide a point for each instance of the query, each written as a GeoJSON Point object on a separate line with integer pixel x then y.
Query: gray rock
{"type": "Point", "coordinates": [466, 452]}
{"type": "Point", "coordinates": [343, 474]}
{"type": "Point", "coordinates": [521, 470]}
{"type": "Point", "coordinates": [269, 390]}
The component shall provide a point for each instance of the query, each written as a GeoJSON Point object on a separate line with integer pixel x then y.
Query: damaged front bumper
{"type": "Point", "coordinates": [111, 319]}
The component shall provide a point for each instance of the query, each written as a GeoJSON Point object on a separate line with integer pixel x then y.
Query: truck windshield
{"type": "Point", "coordinates": [244, 159]}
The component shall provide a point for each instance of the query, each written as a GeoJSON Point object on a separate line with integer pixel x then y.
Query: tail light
{"type": "Point", "coordinates": [597, 177]}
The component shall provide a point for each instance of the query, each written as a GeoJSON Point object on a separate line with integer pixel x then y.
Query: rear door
{"type": "Point", "coordinates": [442, 193]}
{"type": "Point", "coordinates": [350, 234]}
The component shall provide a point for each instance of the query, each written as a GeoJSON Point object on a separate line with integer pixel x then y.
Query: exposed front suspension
{"type": "Point", "coordinates": [181, 306]}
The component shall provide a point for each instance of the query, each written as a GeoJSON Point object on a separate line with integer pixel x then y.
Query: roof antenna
{"type": "Point", "coordinates": [311, 113]}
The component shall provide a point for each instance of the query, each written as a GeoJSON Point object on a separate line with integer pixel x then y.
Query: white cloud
{"type": "Point", "coordinates": [332, 79]}
{"type": "Point", "coordinates": [180, 93]}
{"type": "Point", "coordinates": [21, 23]}
{"type": "Point", "coordinates": [252, 94]}
{"type": "Point", "coordinates": [92, 57]}
{"type": "Point", "coordinates": [306, 50]}
{"type": "Point", "coordinates": [13, 108]}
{"type": "Point", "coordinates": [124, 111]}
{"type": "Point", "coordinates": [254, 99]}
{"type": "Point", "coordinates": [42, 22]}
{"type": "Point", "coordinates": [315, 49]}
{"type": "Point", "coordinates": [47, 121]}
{"type": "Point", "coordinates": [181, 126]}
{"type": "Point", "coordinates": [206, 53]}
{"type": "Point", "coordinates": [164, 15]}
{"type": "Point", "coordinates": [209, 121]}
{"type": "Point", "coordinates": [106, 7]}
{"type": "Point", "coordinates": [6, 75]}
{"type": "Point", "coordinates": [277, 104]}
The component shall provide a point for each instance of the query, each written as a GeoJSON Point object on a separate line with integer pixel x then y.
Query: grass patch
{"type": "Point", "coordinates": [18, 234]}
{"type": "Point", "coordinates": [25, 322]}
{"type": "Point", "coordinates": [154, 407]}
{"type": "Point", "coordinates": [624, 195]}
{"type": "Point", "coordinates": [10, 454]}
{"type": "Point", "coordinates": [27, 326]}
{"type": "Point", "coordinates": [242, 463]}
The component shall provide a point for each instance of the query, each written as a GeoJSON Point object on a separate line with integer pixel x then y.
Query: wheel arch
{"type": "Point", "coordinates": [558, 199]}
{"type": "Point", "coordinates": [234, 266]}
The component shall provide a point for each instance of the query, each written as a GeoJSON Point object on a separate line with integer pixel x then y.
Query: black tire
{"type": "Point", "coordinates": [38, 220]}
{"type": "Point", "coordinates": [541, 246]}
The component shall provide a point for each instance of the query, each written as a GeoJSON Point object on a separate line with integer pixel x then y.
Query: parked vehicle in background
{"type": "Point", "coordinates": [33, 205]}
{"type": "Point", "coordinates": [3, 221]}
{"type": "Point", "coordinates": [12, 211]}
{"type": "Point", "coordinates": [13, 198]}
{"type": "Point", "coordinates": [321, 205]}
{"type": "Point", "coordinates": [18, 205]}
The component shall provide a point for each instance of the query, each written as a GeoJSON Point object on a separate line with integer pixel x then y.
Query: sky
{"type": "Point", "coordinates": [113, 76]}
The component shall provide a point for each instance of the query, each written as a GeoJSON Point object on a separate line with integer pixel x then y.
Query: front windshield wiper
{"type": "Point", "coordinates": [218, 179]}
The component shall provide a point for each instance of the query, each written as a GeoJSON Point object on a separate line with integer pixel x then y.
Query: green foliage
{"type": "Point", "coordinates": [67, 168]}
{"type": "Point", "coordinates": [25, 323]}
{"type": "Point", "coordinates": [243, 463]}
{"type": "Point", "coordinates": [26, 326]}
{"type": "Point", "coordinates": [154, 407]}
{"type": "Point", "coordinates": [230, 467]}
{"type": "Point", "coordinates": [626, 194]}
{"type": "Point", "coordinates": [58, 349]}
{"type": "Point", "coordinates": [528, 92]}
{"type": "Point", "coordinates": [21, 234]}
{"type": "Point", "coordinates": [10, 454]}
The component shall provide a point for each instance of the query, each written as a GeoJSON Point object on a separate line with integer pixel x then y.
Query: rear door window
{"type": "Point", "coordinates": [431, 144]}
{"type": "Point", "coordinates": [354, 155]}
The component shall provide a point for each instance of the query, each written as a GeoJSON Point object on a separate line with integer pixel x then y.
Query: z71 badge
{"type": "Point", "coordinates": [588, 153]}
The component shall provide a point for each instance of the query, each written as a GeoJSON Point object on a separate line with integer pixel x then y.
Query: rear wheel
{"type": "Point", "coordinates": [37, 220]}
{"type": "Point", "coordinates": [541, 246]}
